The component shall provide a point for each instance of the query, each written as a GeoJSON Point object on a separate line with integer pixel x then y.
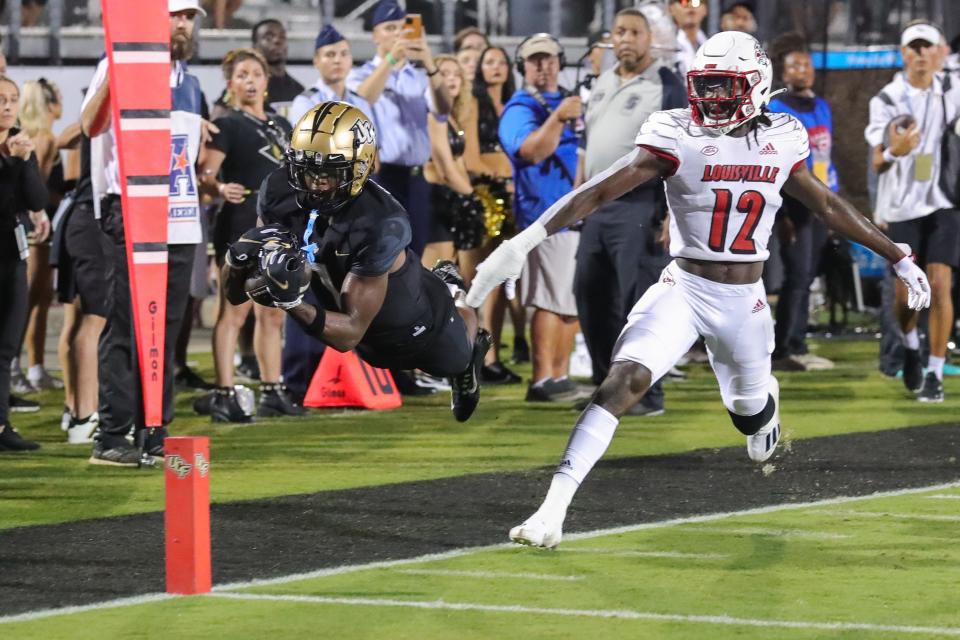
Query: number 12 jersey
{"type": "Point", "coordinates": [724, 191]}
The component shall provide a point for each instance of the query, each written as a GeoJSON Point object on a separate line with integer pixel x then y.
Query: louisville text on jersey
{"type": "Point", "coordinates": [740, 173]}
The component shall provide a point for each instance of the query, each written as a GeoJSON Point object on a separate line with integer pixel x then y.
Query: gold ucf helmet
{"type": "Point", "coordinates": [332, 141]}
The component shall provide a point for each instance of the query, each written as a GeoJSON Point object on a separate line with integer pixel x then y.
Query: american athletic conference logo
{"type": "Point", "coordinates": [182, 182]}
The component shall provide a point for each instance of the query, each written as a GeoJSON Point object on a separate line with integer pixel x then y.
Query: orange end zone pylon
{"type": "Point", "coordinates": [186, 518]}
{"type": "Point", "coordinates": [345, 380]}
{"type": "Point", "coordinates": [137, 38]}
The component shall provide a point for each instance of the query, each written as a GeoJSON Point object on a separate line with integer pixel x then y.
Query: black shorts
{"type": "Point", "coordinates": [436, 344]}
{"type": "Point", "coordinates": [83, 263]}
{"type": "Point", "coordinates": [933, 238]}
{"type": "Point", "coordinates": [231, 222]}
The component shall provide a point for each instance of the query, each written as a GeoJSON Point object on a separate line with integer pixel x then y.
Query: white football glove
{"type": "Point", "coordinates": [918, 288]}
{"type": "Point", "coordinates": [505, 263]}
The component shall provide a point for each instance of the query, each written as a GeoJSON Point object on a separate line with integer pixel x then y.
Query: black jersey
{"type": "Point", "coordinates": [252, 148]}
{"type": "Point", "coordinates": [364, 238]}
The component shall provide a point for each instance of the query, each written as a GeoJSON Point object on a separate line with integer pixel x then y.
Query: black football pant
{"type": "Point", "coordinates": [619, 257]}
{"type": "Point", "coordinates": [13, 322]}
{"type": "Point", "coordinates": [801, 261]}
{"type": "Point", "coordinates": [121, 398]}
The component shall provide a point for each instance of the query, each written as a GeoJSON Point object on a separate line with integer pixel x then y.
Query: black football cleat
{"type": "Point", "coordinates": [465, 387]}
{"type": "Point", "coordinates": [448, 272]}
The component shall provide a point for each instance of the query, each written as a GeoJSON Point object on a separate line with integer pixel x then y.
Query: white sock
{"type": "Point", "coordinates": [539, 383]}
{"type": "Point", "coordinates": [35, 372]}
{"type": "Point", "coordinates": [911, 340]}
{"type": "Point", "coordinates": [935, 364]}
{"type": "Point", "coordinates": [588, 442]}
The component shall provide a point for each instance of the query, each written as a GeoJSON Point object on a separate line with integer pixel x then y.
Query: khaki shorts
{"type": "Point", "coordinates": [547, 280]}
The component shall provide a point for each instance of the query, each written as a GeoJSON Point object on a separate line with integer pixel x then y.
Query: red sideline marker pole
{"type": "Point", "coordinates": [187, 516]}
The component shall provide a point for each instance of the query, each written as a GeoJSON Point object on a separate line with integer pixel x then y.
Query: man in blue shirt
{"type": "Point", "coordinates": [538, 133]}
{"type": "Point", "coordinates": [402, 84]}
{"type": "Point", "coordinates": [803, 234]}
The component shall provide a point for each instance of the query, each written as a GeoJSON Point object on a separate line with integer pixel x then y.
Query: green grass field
{"type": "Point", "coordinates": [885, 567]}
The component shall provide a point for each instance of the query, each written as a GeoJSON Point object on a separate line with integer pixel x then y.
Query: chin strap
{"type": "Point", "coordinates": [775, 94]}
{"type": "Point", "coordinates": [310, 248]}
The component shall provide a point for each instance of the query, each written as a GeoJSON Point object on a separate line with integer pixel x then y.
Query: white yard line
{"type": "Point", "coordinates": [630, 553]}
{"type": "Point", "coordinates": [496, 575]}
{"type": "Point", "coordinates": [770, 531]}
{"type": "Point", "coordinates": [597, 613]}
{"type": "Point", "coordinates": [456, 553]}
{"type": "Point", "coordinates": [944, 496]}
{"type": "Point", "coordinates": [98, 606]}
{"type": "Point", "coordinates": [852, 513]}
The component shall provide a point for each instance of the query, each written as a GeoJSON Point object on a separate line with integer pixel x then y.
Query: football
{"type": "Point", "coordinates": [902, 122]}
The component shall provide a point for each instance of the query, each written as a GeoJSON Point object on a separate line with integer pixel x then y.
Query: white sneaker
{"type": "Point", "coordinates": [762, 444]}
{"type": "Point", "coordinates": [535, 532]}
{"type": "Point", "coordinates": [65, 420]}
{"type": "Point", "coordinates": [815, 363]}
{"type": "Point", "coordinates": [82, 432]}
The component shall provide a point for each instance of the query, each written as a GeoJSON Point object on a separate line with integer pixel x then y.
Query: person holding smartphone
{"type": "Point", "coordinates": [403, 84]}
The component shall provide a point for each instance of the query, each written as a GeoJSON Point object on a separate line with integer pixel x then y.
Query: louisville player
{"type": "Point", "coordinates": [724, 160]}
{"type": "Point", "coordinates": [327, 227]}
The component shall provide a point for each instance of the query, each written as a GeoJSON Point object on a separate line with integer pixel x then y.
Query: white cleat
{"type": "Point", "coordinates": [763, 443]}
{"type": "Point", "coordinates": [537, 533]}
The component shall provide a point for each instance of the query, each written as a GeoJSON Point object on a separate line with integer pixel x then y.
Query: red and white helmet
{"type": "Point", "coordinates": [729, 81]}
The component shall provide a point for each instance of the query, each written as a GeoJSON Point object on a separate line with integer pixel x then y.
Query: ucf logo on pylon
{"type": "Point", "coordinates": [180, 466]}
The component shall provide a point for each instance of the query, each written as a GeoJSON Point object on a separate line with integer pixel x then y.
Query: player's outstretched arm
{"type": "Point", "coordinates": [624, 175]}
{"type": "Point", "coordinates": [841, 216]}
{"type": "Point", "coordinates": [361, 298]}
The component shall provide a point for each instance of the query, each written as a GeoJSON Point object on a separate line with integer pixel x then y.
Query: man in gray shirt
{"type": "Point", "coordinates": [619, 255]}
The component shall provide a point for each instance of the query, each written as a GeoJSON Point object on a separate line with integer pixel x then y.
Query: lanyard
{"type": "Point", "coordinates": [310, 248]}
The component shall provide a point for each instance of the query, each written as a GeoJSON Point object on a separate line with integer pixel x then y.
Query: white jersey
{"type": "Point", "coordinates": [724, 192]}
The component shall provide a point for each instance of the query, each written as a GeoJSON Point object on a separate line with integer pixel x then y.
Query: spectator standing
{"type": "Point", "coordinates": [21, 189]}
{"type": "Point", "coordinates": [270, 38]}
{"type": "Point", "coordinates": [468, 44]}
{"type": "Point", "coordinates": [738, 16]}
{"type": "Point", "coordinates": [910, 202]}
{"type": "Point", "coordinates": [803, 235]}
{"type": "Point", "coordinates": [537, 130]}
{"type": "Point", "coordinates": [40, 107]}
{"type": "Point", "coordinates": [402, 84]}
{"type": "Point", "coordinates": [458, 232]}
{"type": "Point", "coordinates": [82, 282]}
{"type": "Point", "coordinates": [248, 147]}
{"type": "Point", "coordinates": [688, 16]}
{"type": "Point", "coordinates": [121, 405]}
{"type": "Point", "coordinates": [620, 255]}
{"type": "Point", "coordinates": [492, 175]}
{"type": "Point", "coordinates": [470, 38]}
{"type": "Point", "coordinates": [333, 60]}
